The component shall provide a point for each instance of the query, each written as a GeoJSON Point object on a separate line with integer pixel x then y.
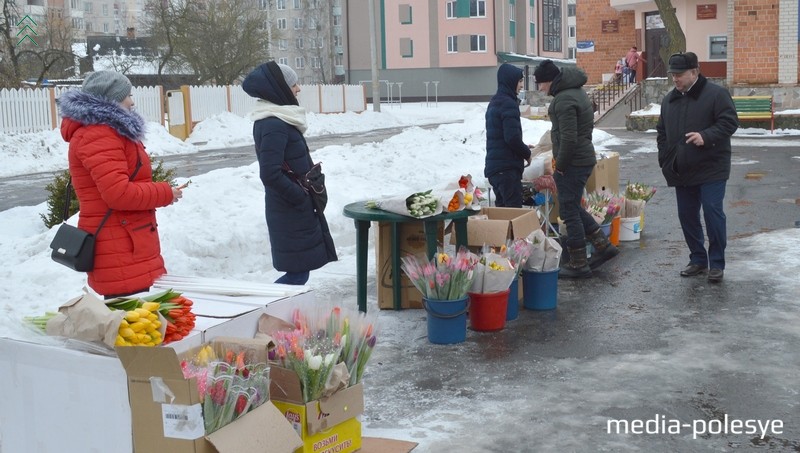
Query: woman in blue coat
{"type": "Point", "coordinates": [298, 234]}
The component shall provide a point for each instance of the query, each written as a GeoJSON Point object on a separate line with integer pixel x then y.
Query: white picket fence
{"type": "Point", "coordinates": [33, 110]}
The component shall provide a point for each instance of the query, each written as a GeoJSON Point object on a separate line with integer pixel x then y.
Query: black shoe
{"type": "Point", "coordinates": [715, 275]}
{"type": "Point", "coordinates": [694, 269]}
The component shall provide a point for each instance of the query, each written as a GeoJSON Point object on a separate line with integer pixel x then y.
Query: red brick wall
{"type": "Point", "coordinates": [755, 50]}
{"type": "Point", "coordinates": [608, 47]}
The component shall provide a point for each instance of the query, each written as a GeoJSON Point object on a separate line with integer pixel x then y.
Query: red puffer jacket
{"type": "Point", "coordinates": [102, 157]}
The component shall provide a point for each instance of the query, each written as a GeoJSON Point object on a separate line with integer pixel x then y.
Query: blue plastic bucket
{"type": "Point", "coordinates": [606, 229]}
{"type": "Point", "coordinates": [512, 311]}
{"type": "Point", "coordinates": [447, 320]}
{"type": "Point", "coordinates": [540, 290]}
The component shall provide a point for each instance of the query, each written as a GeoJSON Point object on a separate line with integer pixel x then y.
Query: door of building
{"type": "Point", "coordinates": [655, 37]}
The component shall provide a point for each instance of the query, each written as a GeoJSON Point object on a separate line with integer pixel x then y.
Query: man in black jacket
{"type": "Point", "coordinates": [694, 153]}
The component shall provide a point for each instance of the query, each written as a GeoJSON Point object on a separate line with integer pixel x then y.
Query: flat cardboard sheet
{"type": "Point", "coordinates": [383, 445]}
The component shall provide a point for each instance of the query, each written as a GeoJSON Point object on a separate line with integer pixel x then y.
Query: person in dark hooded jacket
{"type": "Point", "coordinates": [506, 153]}
{"type": "Point", "coordinates": [572, 117]}
{"type": "Point", "coordinates": [694, 153]}
{"type": "Point", "coordinates": [298, 235]}
{"type": "Point", "coordinates": [110, 170]}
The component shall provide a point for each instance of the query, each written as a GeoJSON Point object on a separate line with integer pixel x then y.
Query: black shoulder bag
{"type": "Point", "coordinates": [313, 182]}
{"type": "Point", "coordinates": [74, 247]}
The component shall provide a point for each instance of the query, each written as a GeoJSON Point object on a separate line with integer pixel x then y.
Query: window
{"type": "Point", "coordinates": [450, 9]}
{"type": "Point", "coordinates": [717, 47]}
{"type": "Point", "coordinates": [298, 43]}
{"type": "Point", "coordinates": [298, 23]}
{"type": "Point", "coordinates": [312, 23]}
{"type": "Point", "coordinates": [477, 8]}
{"type": "Point", "coordinates": [405, 14]}
{"type": "Point", "coordinates": [280, 5]}
{"type": "Point", "coordinates": [87, 7]}
{"type": "Point", "coordinates": [571, 51]}
{"type": "Point", "coordinates": [571, 10]}
{"type": "Point", "coordinates": [320, 43]}
{"type": "Point", "coordinates": [452, 44]}
{"type": "Point", "coordinates": [105, 27]}
{"type": "Point", "coordinates": [406, 47]}
{"type": "Point", "coordinates": [77, 23]}
{"type": "Point", "coordinates": [315, 63]}
{"type": "Point", "coordinates": [337, 19]}
{"type": "Point", "coordinates": [263, 5]}
{"type": "Point", "coordinates": [551, 25]}
{"type": "Point", "coordinates": [337, 40]}
{"type": "Point", "coordinates": [299, 62]}
{"type": "Point", "coordinates": [88, 26]}
{"type": "Point", "coordinates": [283, 60]}
{"type": "Point", "coordinates": [571, 31]}
{"type": "Point", "coordinates": [105, 9]}
{"type": "Point", "coordinates": [74, 4]}
{"type": "Point", "coordinates": [477, 43]}
{"type": "Point", "coordinates": [282, 23]}
{"type": "Point", "coordinates": [297, 4]}
{"type": "Point", "coordinates": [283, 44]}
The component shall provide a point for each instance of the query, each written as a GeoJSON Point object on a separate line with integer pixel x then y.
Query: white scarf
{"type": "Point", "coordinates": [290, 114]}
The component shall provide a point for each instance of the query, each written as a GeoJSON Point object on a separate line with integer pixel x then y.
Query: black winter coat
{"type": "Point", "coordinates": [299, 237]}
{"type": "Point", "coordinates": [505, 149]}
{"type": "Point", "coordinates": [706, 108]}
{"type": "Point", "coordinates": [572, 117]}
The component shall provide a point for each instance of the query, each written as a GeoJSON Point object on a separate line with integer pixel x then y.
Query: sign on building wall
{"type": "Point", "coordinates": [610, 26]}
{"type": "Point", "coordinates": [585, 46]}
{"type": "Point", "coordinates": [706, 12]}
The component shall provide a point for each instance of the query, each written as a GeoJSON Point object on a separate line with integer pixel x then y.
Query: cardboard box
{"type": "Point", "coordinates": [604, 176]}
{"type": "Point", "coordinates": [167, 414]}
{"type": "Point", "coordinates": [500, 225]}
{"type": "Point", "coordinates": [412, 242]}
{"type": "Point", "coordinates": [327, 424]}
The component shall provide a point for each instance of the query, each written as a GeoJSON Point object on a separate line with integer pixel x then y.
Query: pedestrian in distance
{"type": "Point", "coordinates": [506, 154]}
{"type": "Point", "coordinates": [632, 60]}
{"type": "Point", "coordinates": [298, 235]}
{"type": "Point", "coordinates": [113, 180]}
{"type": "Point", "coordinates": [694, 133]}
{"type": "Point", "coordinates": [572, 118]}
{"type": "Point", "coordinates": [619, 68]}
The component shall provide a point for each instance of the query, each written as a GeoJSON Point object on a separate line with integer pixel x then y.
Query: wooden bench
{"type": "Point", "coordinates": [755, 108]}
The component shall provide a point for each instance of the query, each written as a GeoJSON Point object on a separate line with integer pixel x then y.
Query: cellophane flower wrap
{"type": "Point", "coordinates": [418, 205]}
{"type": "Point", "coordinates": [517, 251]}
{"type": "Point", "coordinates": [355, 332]}
{"type": "Point", "coordinates": [466, 196]}
{"type": "Point", "coordinates": [545, 253]}
{"type": "Point", "coordinates": [312, 357]}
{"type": "Point", "coordinates": [230, 383]}
{"type": "Point", "coordinates": [493, 272]}
{"type": "Point", "coordinates": [636, 197]}
{"type": "Point", "coordinates": [445, 277]}
{"type": "Point", "coordinates": [602, 206]}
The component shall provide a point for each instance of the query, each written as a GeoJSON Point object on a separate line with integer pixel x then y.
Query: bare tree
{"type": "Point", "coordinates": [677, 39]}
{"type": "Point", "coordinates": [46, 54]}
{"type": "Point", "coordinates": [319, 48]}
{"type": "Point", "coordinates": [220, 40]}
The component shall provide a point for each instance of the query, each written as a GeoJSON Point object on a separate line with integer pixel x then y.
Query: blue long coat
{"type": "Point", "coordinates": [299, 236]}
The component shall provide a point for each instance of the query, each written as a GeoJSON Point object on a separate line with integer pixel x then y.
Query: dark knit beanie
{"type": "Point", "coordinates": [546, 71]}
{"type": "Point", "coordinates": [108, 84]}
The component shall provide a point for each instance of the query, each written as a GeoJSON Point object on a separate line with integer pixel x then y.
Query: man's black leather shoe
{"type": "Point", "coordinates": [692, 270]}
{"type": "Point", "coordinates": [715, 275]}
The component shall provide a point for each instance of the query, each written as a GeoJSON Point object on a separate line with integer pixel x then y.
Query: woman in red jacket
{"type": "Point", "coordinates": [110, 170]}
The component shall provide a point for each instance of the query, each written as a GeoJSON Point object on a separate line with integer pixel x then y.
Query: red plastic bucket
{"type": "Point", "coordinates": [487, 311]}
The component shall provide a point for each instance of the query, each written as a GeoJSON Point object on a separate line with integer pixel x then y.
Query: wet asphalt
{"type": "Point", "coordinates": [635, 342]}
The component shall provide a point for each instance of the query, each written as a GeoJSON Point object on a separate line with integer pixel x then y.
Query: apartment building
{"type": "Point", "coordinates": [452, 48]}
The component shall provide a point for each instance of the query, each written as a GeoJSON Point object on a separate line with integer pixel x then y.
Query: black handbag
{"type": "Point", "coordinates": [313, 182]}
{"type": "Point", "coordinates": [74, 247]}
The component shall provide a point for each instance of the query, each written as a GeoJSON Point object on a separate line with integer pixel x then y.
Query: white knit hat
{"type": "Point", "coordinates": [108, 84]}
{"type": "Point", "coordinates": [289, 75]}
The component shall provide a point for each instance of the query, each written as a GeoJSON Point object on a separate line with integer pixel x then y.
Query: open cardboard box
{"type": "Point", "coordinates": [605, 176]}
{"type": "Point", "coordinates": [166, 409]}
{"type": "Point", "coordinates": [329, 422]}
{"type": "Point", "coordinates": [494, 226]}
